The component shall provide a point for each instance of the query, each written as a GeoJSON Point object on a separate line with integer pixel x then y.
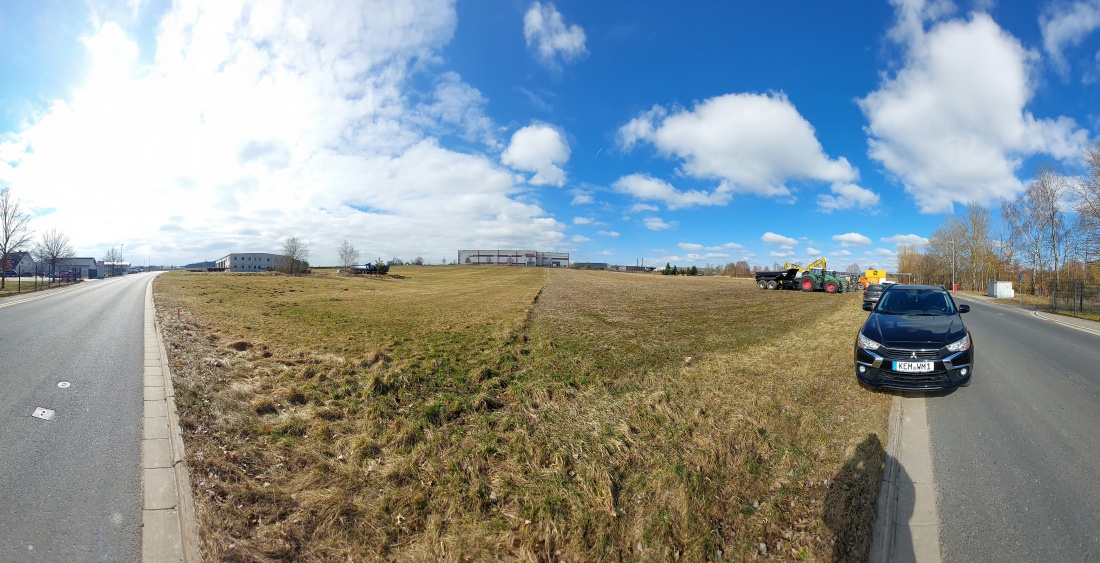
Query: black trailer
{"type": "Point", "coordinates": [778, 280]}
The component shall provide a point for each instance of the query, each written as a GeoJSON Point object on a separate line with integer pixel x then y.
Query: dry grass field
{"type": "Point", "coordinates": [512, 413]}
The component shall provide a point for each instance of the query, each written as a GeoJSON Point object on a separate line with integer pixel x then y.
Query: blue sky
{"type": "Point", "coordinates": [688, 132]}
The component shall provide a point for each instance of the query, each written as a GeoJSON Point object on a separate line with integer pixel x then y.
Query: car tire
{"type": "Point", "coordinates": [807, 285]}
{"type": "Point", "coordinates": [772, 284]}
{"type": "Point", "coordinates": [830, 287]}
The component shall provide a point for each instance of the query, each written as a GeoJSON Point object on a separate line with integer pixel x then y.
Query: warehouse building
{"type": "Point", "coordinates": [514, 258]}
{"type": "Point", "coordinates": [249, 262]}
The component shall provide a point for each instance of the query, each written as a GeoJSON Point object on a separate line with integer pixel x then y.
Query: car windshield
{"type": "Point", "coordinates": [928, 302]}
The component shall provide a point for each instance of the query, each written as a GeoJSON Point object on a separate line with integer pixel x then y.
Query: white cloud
{"type": "Point", "coordinates": [915, 240]}
{"type": "Point", "coordinates": [582, 220]}
{"type": "Point", "coordinates": [749, 143]}
{"type": "Point", "coordinates": [812, 251]}
{"type": "Point", "coordinates": [646, 187]}
{"type": "Point", "coordinates": [640, 207]}
{"type": "Point", "coordinates": [608, 233]}
{"type": "Point", "coordinates": [581, 197]}
{"type": "Point", "coordinates": [656, 224]}
{"type": "Point", "coordinates": [545, 29]}
{"type": "Point", "coordinates": [690, 246]}
{"type": "Point", "coordinates": [772, 238]}
{"type": "Point", "coordinates": [952, 124]}
{"type": "Point", "coordinates": [539, 149]}
{"type": "Point", "coordinates": [579, 238]}
{"type": "Point", "coordinates": [785, 254]}
{"type": "Point", "coordinates": [847, 196]}
{"type": "Point", "coordinates": [849, 240]}
{"type": "Point", "coordinates": [257, 121]}
{"type": "Point", "coordinates": [732, 246]}
{"type": "Point", "coordinates": [1066, 24]}
{"type": "Point", "coordinates": [885, 252]}
{"type": "Point", "coordinates": [841, 253]}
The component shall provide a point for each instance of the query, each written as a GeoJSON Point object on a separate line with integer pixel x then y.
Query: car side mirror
{"type": "Point", "coordinates": [964, 308]}
{"type": "Point", "coordinates": [868, 306]}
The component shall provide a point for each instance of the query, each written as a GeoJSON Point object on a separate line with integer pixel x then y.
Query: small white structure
{"type": "Point", "coordinates": [1001, 290]}
{"type": "Point", "coordinates": [249, 262]}
{"type": "Point", "coordinates": [513, 258]}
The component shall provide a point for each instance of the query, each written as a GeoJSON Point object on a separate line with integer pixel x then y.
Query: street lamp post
{"type": "Point", "coordinates": [121, 246]}
{"type": "Point", "coordinates": [952, 242]}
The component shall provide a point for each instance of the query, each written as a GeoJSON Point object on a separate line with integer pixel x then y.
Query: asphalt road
{"type": "Point", "coordinates": [1016, 456]}
{"type": "Point", "coordinates": [70, 487]}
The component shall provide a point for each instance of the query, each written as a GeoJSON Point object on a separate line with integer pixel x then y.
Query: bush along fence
{"type": "Point", "coordinates": [1074, 296]}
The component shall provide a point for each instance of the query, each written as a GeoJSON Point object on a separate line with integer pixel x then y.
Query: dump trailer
{"type": "Point", "coordinates": [786, 279]}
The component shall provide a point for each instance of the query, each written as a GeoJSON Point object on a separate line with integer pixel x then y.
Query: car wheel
{"type": "Point", "coordinates": [763, 284]}
{"type": "Point", "coordinates": [772, 284]}
{"type": "Point", "coordinates": [830, 287]}
{"type": "Point", "coordinates": [860, 287]}
{"type": "Point", "coordinates": [807, 285]}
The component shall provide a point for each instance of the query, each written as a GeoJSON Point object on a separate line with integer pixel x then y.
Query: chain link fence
{"type": "Point", "coordinates": [1075, 296]}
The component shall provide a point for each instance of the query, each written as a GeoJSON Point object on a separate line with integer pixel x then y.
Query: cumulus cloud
{"type": "Point", "coordinates": [1067, 24]}
{"type": "Point", "coordinates": [849, 240]}
{"type": "Point", "coordinates": [608, 233]}
{"type": "Point", "coordinates": [581, 197]}
{"type": "Point", "coordinates": [646, 187]}
{"type": "Point", "coordinates": [748, 143]}
{"type": "Point", "coordinates": [772, 238]}
{"type": "Point", "coordinates": [952, 123]}
{"type": "Point", "coordinates": [656, 224]}
{"type": "Point", "coordinates": [640, 207]}
{"type": "Point", "coordinates": [539, 149]}
{"type": "Point", "coordinates": [847, 196]}
{"type": "Point", "coordinates": [545, 30]}
{"type": "Point", "coordinates": [256, 121]}
{"type": "Point", "coordinates": [812, 251]}
{"type": "Point", "coordinates": [690, 246]}
{"type": "Point", "coordinates": [915, 240]}
{"type": "Point", "coordinates": [579, 238]}
{"type": "Point", "coordinates": [582, 220]}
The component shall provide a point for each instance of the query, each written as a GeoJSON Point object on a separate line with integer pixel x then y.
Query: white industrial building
{"type": "Point", "coordinates": [514, 258]}
{"type": "Point", "coordinates": [249, 262]}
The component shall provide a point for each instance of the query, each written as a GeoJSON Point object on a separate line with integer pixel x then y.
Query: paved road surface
{"type": "Point", "coordinates": [1016, 455]}
{"type": "Point", "coordinates": [70, 487]}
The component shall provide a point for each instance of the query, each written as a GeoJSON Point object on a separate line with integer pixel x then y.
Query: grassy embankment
{"type": "Point", "coordinates": [521, 413]}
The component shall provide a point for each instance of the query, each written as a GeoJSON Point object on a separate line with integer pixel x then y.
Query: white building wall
{"type": "Point", "coordinates": [249, 262]}
{"type": "Point", "coordinates": [513, 258]}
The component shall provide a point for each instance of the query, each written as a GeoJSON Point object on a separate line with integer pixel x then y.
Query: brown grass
{"type": "Point", "coordinates": [521, 413]}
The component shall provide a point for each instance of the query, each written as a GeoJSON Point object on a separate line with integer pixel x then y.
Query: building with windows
{"type": "Point", "coordinates": [249, 262]}
{"type": "Point", "coordinates": [513, 258]}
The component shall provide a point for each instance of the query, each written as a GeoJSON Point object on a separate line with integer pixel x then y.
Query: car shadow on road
{"type": "Point", "coordinates": [853, 506]}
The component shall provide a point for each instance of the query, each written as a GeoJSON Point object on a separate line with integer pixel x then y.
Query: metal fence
{"type": "Point", "coordinates": [1074, 296]}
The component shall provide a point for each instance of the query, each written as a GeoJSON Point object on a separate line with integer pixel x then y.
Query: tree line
{"type": "Point", "coordinates": [1049, 233]}
{"type": "Point", "coordinates": [52, 249]}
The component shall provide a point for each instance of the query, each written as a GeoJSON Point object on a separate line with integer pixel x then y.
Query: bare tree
{"type": "Point", "coordinates": [15, 230]}
{"type": "Point", "coordinates": [853, 268]}
{"type": "Point", "coordinates": [1087, 192]}
{"type": "Point", "coordinates": [418, 261]}
{"type": "Point", "coordinates": [294, 256]}
{"type": "Point", "coordinates": [113, 256]}
{"type": "Point", "coordinates": [53, 249]}
{"type": "Point", "coordinates": [348, 255]}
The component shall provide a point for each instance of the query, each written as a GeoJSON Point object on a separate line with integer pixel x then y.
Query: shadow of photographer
{"type": "Point", "coordinates": [852, 506]}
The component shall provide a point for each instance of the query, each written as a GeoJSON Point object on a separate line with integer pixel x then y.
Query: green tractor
{"type": "Point", "coordinates": [823, 280]}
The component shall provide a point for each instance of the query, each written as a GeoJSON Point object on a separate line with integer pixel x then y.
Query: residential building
{"type": "Point", "coordinates": [514, 258]}
{"type": "Point", "coordinates": [82, 267]}
{"type": "Point", "coordinates": [22, 262]}
{"type": "Point", "coordinates": [249, 262]}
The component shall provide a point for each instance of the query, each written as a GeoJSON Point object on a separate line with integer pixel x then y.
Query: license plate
{"type": "Point", "coordinates": [914, 367]}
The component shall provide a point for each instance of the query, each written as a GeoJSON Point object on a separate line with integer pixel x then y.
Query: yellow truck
{"type": "Point", "coordinates": [870, 277]}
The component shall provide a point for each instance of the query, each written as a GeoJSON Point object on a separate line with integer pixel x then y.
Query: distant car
{"type": "Point", "coordinates": [872, 293]}
{"type": "Point", "coordinates": [915, 339]}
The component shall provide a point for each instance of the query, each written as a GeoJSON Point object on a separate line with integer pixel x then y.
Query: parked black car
{"type": "Point", "coordinates": [915, 339]}
{"type": "Point", "coordinates": [872, 292]}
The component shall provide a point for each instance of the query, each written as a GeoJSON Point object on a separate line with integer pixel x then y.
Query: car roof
{"type": "Point", "coordinates": [899, 286]}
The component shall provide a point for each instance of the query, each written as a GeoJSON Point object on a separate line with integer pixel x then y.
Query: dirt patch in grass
{"type": "Point", "coordinates": [522, 413]}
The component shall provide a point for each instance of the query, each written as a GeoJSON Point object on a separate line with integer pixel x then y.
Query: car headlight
{"type": "Point", "coordinates": [867, 343]}
{"type": "Point", "coordinates": [960, 345]}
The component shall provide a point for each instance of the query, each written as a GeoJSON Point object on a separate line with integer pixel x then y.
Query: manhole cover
{"type": "Point", "coordinates": [63, 384]}
{"type": "Point", "coordinates": [44, 414]}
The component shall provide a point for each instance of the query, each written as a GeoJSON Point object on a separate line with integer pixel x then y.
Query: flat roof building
{"type": "Point", "coordinates": [249, 262]}
{"type": "Point", "coordinates": [513, 258]}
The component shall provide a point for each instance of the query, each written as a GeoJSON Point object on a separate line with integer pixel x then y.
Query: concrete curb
{"type": "Point", "coordinates": [167, 510]}
{"type": "Point", "coordinates": [1058, 319]}
{"type": "Point", "coordinates": [882, 538]}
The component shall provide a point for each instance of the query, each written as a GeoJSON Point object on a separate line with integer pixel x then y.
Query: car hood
{"type": "Point", "coordinates": [909, 330]}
